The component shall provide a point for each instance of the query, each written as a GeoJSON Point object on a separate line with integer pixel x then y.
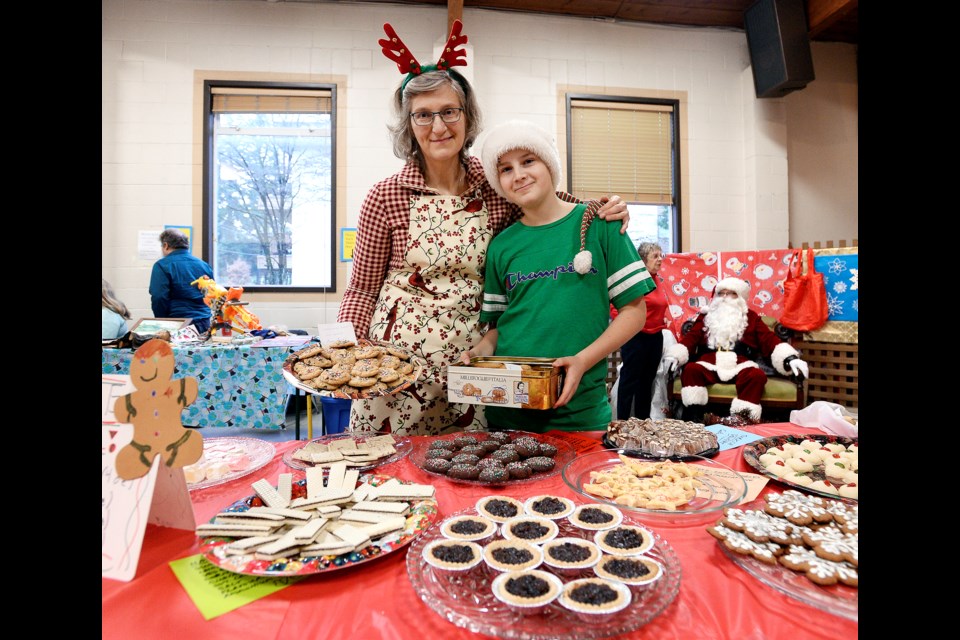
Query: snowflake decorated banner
{"type": "Point", "coordinates": [841, 278]}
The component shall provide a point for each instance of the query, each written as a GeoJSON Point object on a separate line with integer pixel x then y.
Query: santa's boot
{"type": "Point", "coordinates": [694, 403]}
{"type": "Point", "coordinates": [746, 409]}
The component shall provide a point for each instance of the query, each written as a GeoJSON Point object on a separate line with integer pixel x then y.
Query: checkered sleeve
{"type": "Point", "coordinates": [371, 256]}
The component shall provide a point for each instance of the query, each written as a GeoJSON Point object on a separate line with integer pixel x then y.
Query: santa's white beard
{"type": "Point", "coordinates": [726, 321]}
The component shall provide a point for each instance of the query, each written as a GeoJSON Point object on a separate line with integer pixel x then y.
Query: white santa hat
{"type": "Point", "coordinates": [519, 134]}
{"type": "Point", "coordinates": [738, 286]}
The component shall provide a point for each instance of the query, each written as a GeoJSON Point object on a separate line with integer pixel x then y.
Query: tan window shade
{"type": "Point", "coordinates": [240, 100]}
{"type": "Point", "coordinates": [624, 149]}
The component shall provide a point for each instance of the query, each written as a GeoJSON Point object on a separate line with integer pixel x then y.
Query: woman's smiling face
{"type": "Point", "coordinates": [439, 141]}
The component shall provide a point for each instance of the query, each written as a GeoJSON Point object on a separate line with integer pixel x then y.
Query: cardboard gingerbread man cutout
{"type": "Point", "coordinates": [154, 411]}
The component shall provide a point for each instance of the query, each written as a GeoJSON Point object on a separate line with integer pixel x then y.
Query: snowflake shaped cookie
{"type": "Point", "coordinates": [760, 526]}
{"type": "Point", "coordinates": [738, 542]}
{"type": "Point", "coordinates": [817, 569]}
{"type": "Point", "coordinates": [798, 508]}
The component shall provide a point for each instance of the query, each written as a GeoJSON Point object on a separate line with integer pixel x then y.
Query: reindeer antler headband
{"type": "Point", "coordinates": [394, 49]}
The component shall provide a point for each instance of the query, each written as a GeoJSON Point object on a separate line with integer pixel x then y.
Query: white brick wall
{"type": "Point", "coordinates": [739, 193]}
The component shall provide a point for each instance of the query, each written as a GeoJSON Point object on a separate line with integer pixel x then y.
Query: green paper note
{"type": "Point", "coordinates": [215, 591]}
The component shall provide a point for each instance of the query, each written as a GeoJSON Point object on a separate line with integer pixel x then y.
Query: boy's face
{"type": "Point", "coordinates": [524, 177]}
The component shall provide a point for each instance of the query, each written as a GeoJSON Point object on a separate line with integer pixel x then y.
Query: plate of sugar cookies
{"type": "Point", "coordinates": [333, 519]}
{"type": "Point", "coordinates": [363, 452]}
{"type": "Point", "coordinates": [667, 491]}
{"type": "Point", "coordinates": [826, 465]}
{"type": "Point", "coordinates": [226, 459]}
{"type": "Point", "coordinates": [804, 546]}
{"type": "Point", "coordinates": [352, 369]}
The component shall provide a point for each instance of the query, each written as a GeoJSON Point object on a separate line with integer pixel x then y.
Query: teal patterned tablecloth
{"type": "Point", "coordinates": [240, 386]}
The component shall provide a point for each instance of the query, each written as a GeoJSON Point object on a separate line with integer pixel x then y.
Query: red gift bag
{"type": "Point", "coordinates": [804, 295]}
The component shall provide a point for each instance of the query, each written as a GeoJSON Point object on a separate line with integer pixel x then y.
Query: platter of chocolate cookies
{"type": "Point", "coordinates": [495, 458]}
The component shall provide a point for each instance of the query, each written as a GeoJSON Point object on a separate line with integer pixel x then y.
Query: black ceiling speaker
{"type": "Point", "coordinates": [779, 46]}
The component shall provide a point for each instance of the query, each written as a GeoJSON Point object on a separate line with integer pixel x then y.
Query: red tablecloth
{"type": "Point", "coordinates": [717, 599]}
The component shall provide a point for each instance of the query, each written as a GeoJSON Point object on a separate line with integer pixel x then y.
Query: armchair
{"type": "Point", "coordinates": [780, 392]}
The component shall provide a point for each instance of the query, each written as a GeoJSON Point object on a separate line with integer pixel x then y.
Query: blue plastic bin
{"type": "Point", "coordinates": [336, 414]}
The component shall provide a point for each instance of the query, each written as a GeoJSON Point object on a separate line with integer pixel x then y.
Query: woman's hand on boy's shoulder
{"type": "Point", "coordinates": [614, 208]}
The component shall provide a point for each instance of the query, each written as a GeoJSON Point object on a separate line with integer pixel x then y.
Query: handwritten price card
{"type": "Point", "coordinates": [215, 591]}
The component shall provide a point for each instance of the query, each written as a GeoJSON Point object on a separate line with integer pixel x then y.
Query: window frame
{"type": "Point", "coordinates": [674, 103]}
{"type": "Point", "coordinates": [209, 206]}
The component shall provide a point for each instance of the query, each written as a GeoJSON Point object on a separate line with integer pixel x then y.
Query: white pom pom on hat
{"type": "Point", "coordinates": [518, 134]}
{"type": "Point", "coordinates": [738, 286]}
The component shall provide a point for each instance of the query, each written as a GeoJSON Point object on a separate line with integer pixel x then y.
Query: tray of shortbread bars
{"type": "Point", "coordinates": [354, 370]}
{"type": "Point", "coordinates": [333, 519]}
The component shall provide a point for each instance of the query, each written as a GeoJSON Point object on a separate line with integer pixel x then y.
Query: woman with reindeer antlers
{"type": "Point", "coordinates": [417, 278]}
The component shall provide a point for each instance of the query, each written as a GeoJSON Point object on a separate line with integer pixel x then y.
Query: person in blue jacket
{"type": "Point", "coordinates": [171, 294]}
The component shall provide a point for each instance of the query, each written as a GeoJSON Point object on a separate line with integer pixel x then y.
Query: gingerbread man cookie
{"type": "Point", "coordinates": [154, 411]}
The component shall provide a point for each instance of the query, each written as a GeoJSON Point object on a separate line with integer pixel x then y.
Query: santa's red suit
{"type": "Point", "coordinates": [713, 366]}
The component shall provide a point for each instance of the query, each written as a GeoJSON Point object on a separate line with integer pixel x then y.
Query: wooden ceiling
{"type": "Point", "coordinates": [828, 20]}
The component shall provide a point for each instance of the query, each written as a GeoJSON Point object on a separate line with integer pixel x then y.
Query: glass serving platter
{"type": "Point", "coordinates": [218, 450]}
{"type": "Point", "coordinates": [721, 486]}
{"type": "Point", "coordinates": [402, 444]}
{"type": "Point", "coordinates": [348, 393]}
{"type": "Point", "coordinates": [466, 598]}
{"type": "Point", "coordinates": [838, 599]}
{"type": "Point", "coordinates": [753, 451]}
{"type": "Point", "coordinates": [565, 453]}
{"type": "Point", "coordinates": [423, 513]}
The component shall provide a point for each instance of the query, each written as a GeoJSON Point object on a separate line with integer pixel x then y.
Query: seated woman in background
{"type": "Point", "coordinates": [113, 313]}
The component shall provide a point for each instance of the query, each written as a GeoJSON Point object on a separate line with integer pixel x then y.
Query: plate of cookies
{"type": "Point", "coordinates": [362, 452]}
{"type": "Point", "coordinates": [826, 465]}
{"type": "Point", "coordinates": [666, 438]}
{"type": "Point", "coordinates": [801, 545]}
{"type": "Point", "coordinates": [323, 523]}
{"type": "Point", "coordinates": [533, 576]}
{"type": "Point", "coordinates": [651, 488]}
{"type": "Point", "coordinates": [226, 459]}
{"type": "Point", "coordinates": [492, 458]}
{"type": "Point", "coordinates": [354, 370]}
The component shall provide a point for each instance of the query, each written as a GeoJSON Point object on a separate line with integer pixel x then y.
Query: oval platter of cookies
{"type": "Point", "coordinates": [773, 540]}
{"type": "Point", "coordinates": [826, 465]}
{"type": "Point", "coordinates": [352, 370]}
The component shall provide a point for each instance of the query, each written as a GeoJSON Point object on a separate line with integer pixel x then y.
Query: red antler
{"type": "Point", "coordinates": [395, 50]}
{"type": "Point", "coordinates": [451, 56]}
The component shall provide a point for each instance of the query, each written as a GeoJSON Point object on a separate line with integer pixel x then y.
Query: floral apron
{"type": "Point", "coordinates": [431, 305]}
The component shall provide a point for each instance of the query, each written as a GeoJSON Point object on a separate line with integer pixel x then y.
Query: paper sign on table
{"type": "Point", "coordinates": [215, 591]}
{"type": "Point", "coordinates": [327, 333]}
{"type": "Point", "coordinates": [730, 438]}
{"type": "Point", "coordinates": [731, 479]}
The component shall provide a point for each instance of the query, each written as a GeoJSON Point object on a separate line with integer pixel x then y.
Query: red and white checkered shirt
{"type": "Point", "coordinates": [383, 234]}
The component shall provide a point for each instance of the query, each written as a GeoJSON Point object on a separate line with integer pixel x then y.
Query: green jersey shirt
{"type": "Point", "coordinates": [543, 308]}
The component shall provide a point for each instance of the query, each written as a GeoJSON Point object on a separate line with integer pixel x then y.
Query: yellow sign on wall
{"type": "Point", "coordinates": [348, 239]}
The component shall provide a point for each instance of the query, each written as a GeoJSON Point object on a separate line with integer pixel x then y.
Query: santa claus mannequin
{"type": "Point", "coordinates": [726, 337]}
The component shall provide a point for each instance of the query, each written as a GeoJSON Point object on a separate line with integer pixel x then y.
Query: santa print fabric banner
{"type": "Point", "coordinates": [688, 280]}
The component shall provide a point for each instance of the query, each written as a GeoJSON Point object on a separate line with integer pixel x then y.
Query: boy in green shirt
{"type": "Point", "coordinates": [549, 282]}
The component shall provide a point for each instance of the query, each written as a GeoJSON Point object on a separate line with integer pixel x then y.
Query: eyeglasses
{"type": "Point", "coordinates": [425, 118]}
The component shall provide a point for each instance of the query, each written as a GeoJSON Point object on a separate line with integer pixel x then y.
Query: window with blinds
{"type": "Point", "coordinates": [628, 147]}
{"type": "Point", "coordinates": [269, 176]}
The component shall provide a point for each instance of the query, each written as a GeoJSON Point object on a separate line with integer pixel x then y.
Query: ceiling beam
{"type": "Point", "coordinates": [823, 14]}
{"type": "Point", "coordinates": [454, 12]}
